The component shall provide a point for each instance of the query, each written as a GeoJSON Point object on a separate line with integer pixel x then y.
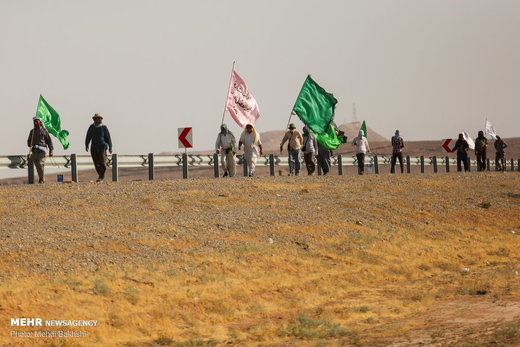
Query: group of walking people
{"type": "Point", "coordinates": [98, 141]}
{"type": "Point", "coordinates": [481, 143]}
{"type": "Point", "coordinates": [316, 155]}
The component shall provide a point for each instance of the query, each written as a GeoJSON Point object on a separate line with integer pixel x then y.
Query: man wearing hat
{"type": "Point", "coordinates": [40, 143]}
{"type": "Point", "coordinates": [100, 137]}
{"type": "Point", "coordinates": [226, 147]}
{"type": "Point", "coordinates": [293, 148]}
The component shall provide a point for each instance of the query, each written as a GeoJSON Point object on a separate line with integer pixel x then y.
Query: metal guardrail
{"type": "Point", "coordinates": [73, 162]}
{"type": "Point", "coordinates": [64, 161]}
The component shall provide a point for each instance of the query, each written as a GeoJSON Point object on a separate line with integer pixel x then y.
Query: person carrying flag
{"type": "Point", "coordinates": [293, 149]}
{"type": "Point", "coordinates": [480, 150]}
{"type": "Point", "coordinates": [462, 147]}
{"type": "Point", "coordinates": [500, 145]}
{"type": "Point", "coordinates": [39, 142]}
{"type": "Point", "coordinates": [227, 144]}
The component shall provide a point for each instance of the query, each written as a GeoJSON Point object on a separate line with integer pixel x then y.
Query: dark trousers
{"type": "Point", "coordinates": [462, 158]}
{"type": "Point", "coordinates": [360, 163]}
{"type": "Point", "coordinates": [500, 164]}
{"type": "Point", "coordinates": [324, 161]}
{"type": "Point", "coordinates": [396, 156]}
{"type": "Point", "coordinates": [100, 162]}
{"type": "Point", "coordinates": [309, 163]}
{"type": "Point", "coordinates": [481, 160]}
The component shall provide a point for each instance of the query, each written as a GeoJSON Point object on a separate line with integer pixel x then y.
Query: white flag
{"type": "Point", "coordinates": [241, 104]}
{"type": "Point", "coordinates": [469, 140]}
{"type": "Point", "coordinates": [490, 130]}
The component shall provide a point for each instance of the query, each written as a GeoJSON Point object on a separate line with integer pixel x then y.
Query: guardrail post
{"type": "Point", "coordinates": [30, 170]}
{"type": "Point", "coordinates": [447, 163]}
{"type": "Point", "coordinates": [376, 164]}
{"type": "Point", "coordinates": [151, 172]}
{"type": "Point", "coordinates": [408, 164]}
{"type": "Point", "coordinates": [115, 173]}
{"type": "Point", "coordinates": [488, 164]}
{"type": "Point", "coordinates": [185, 165]}
{"type": "Point", "coordinates": [518, 165]}
{"type": "Point", "coordinates": [422, 164]}
{"type": "Point", "coordinates": [340, 165]}
{"type": "Point", "coordinates": [271, 164]}
{"type": "Point", "coordinates": [216, 170]}
{"type": "Point", "coordinates": [512, 164]}
{"type": "Point", "coordinates": [74, 168]}
{"type": "Point", "coordinates": [434, 161]}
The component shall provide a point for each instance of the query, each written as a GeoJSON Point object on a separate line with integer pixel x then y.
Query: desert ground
{"type": "Point", "coordinates": [404, 260]}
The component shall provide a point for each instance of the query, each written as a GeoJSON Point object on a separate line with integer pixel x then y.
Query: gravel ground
{"type": "Point", "coordinates": [60, 228]}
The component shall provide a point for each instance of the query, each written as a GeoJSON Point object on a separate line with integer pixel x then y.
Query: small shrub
{"type": "Point", "coordinates": [100, 288]}
{"type": "Point", "coordinates": [485, 204]}
{"type": "Point", "coordinates": [362, 309]}
{"type": "Point", "coordinates": [508, 331]}
{"type": "Point", "coordinates": [307, 328]}
{"type": "Point", "coordinates": [163, 341]}
{"type": "Point", "coordinates": [132, 295]}
{"type": "Point", "coordinates": [424, 267]}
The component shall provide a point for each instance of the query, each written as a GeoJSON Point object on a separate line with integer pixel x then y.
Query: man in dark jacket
{"type": "Point", "coordinates": [40, 143]}
{"type": "Point", "coordinates": [100, 137]}
{"type": "Point", "coordinates": [461, 146]}
{"type": "Point", "coordinates": [397, 151]}
{"type": "Point", "coordinates": [481, 150]}
{"type": "Point", "coordinates": [500, 145]}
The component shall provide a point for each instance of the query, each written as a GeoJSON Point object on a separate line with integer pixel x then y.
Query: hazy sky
{"type": "Point", "coordinates": [429, 68]}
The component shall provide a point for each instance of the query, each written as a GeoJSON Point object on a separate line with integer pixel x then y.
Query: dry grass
{"type": "Point", "coordinates": [367, 255]}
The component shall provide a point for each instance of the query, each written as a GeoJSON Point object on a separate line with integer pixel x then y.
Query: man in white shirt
{"type": "Point", "coordinates": [362, 147]}
{"type": "Point", "coordinates": [226, 147]}
{"type": "Point", "coordinates": [252, 147]}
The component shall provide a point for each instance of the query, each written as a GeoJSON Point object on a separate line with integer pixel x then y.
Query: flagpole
{"type": "Point", "coordinates": [292, 111]}
{"type": "Point", "coordinates": [227, 94]}
{"type": "Point", "coordinates": [289, 120]}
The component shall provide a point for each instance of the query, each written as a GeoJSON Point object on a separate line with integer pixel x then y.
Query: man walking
{"type": "Point", "coordinates": [226, 147]}
{"type": "Point", "coordinates": [481, 151]}
{"type": "Point", "coordinates": [100, 137]}
{"type": "Point", "coordinates": [252, 147]}
{"type": "Point", "coordinates": [309, 149]}
{"type": "Point", "coordinates": [462, 146]}
{"type": "Point", "coordinates": [362, 148]}
{"type": "Point", "coordinates": [293, 148]}
{"type": "Point", "coordinates": [500, 145]}
{"type": "Point", "coordinates": [40, 143]}
{"type": "Point", "coordinates": [397, 151]}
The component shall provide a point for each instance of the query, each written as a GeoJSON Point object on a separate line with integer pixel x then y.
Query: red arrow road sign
{"type": "Point", "coordinates": [445, 145]}
{"type": "Point", "coordinates": [185, 138]}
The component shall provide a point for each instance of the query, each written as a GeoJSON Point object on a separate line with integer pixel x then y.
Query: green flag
{"type": "Point", "coordinates": [364, 128]}
{"type": "Point", "coordinates": [51, 121]}
{"type": "Point", "coordinates": [332, 138]}
{"type": "Point", "coordinates": [314, 106]}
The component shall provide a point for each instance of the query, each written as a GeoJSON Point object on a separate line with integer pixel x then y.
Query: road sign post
{"type": "Point", "coordinates": [185, 141]}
